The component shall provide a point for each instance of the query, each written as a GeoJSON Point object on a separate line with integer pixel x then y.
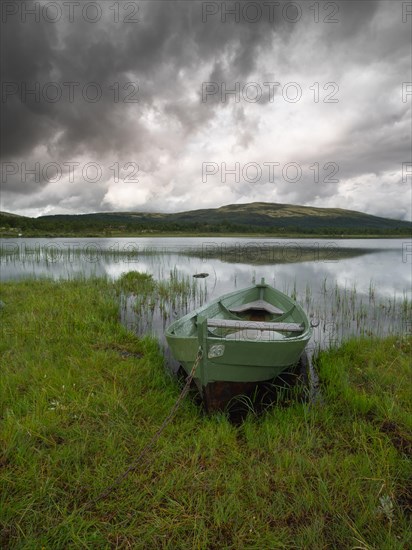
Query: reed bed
{"type": "Point", "coordinates": [147, 305]}
{"type": "Point", "coordinates": [339, 313]}
{"type": "Point", "coordinates": [343, 313]}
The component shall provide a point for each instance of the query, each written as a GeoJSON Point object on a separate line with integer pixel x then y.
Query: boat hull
{"type": "Point", "coordinates": [235, 362]}
{"type": "Point", "coordinates": [218, 396]}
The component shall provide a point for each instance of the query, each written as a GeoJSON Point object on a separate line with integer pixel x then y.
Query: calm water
{"type": "Point", "coordinates": [230, 262]}
{"type": "Point", "coordinates": [349, 286]}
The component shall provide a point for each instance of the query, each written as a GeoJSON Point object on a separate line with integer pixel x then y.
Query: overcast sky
{"type": "Point", "coordinates": [127, 105]}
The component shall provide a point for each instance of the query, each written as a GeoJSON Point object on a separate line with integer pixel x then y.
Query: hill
{"type": "Point", "coordinates": [257, 217]}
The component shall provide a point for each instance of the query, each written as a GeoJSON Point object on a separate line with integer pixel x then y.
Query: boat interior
{"type": "Point", "coordinates": [258, 313]}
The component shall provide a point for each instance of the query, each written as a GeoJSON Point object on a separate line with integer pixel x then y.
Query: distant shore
{"type": "Point", "coordinates": [191, 234]}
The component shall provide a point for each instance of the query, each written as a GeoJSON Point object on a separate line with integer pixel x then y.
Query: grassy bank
{"type": "Point", "coordinates": [81, 396]}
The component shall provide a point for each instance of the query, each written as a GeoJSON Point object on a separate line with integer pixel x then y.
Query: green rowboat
{"type": "Point", "coordinates": [246, 337]}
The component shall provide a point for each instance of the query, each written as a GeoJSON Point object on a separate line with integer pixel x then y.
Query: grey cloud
{"type": "Point", "coordinates": [170, 52]}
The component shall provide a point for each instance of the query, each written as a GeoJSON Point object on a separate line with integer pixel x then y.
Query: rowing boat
{"type": "Point", "coordinates": [246, 337]}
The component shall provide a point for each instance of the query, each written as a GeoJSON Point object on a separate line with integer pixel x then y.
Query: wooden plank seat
{"type": "Point", "coordinates": [256, 335]}
{"type": "Point", "coordinates": [258, 305]}
{"type": "Point", "coordinates": [257, 325]}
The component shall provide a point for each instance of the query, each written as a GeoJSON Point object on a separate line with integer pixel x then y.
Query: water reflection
{"type": "Point", "coordinates": [350, 286]}
{"type": "Point", "coordinates": [280, 261]}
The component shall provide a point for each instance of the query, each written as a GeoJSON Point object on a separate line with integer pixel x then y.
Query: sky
{"type": "Point", "coordinates": [167, 106]}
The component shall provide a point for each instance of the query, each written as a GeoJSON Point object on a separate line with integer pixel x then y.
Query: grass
{"type": "Point", "coordinates": [81, 396]}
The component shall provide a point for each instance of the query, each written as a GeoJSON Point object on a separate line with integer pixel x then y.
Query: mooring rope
{"type": "Point", "coordinates": [153, 440]}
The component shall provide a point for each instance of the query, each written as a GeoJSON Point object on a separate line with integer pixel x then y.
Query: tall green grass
{"type": "Point", "coordinates": [81, 396]}
{"type": "Point", "coordinates": [147, 305]}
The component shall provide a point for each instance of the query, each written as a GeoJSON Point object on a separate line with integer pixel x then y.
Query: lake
{"type": "Point", "coordinates": [348, 286]}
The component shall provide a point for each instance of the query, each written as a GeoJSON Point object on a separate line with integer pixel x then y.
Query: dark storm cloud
{"type": "Point", "coordinates": [169, 52]}
{"type": "Point", "coordinates": [169, 36]}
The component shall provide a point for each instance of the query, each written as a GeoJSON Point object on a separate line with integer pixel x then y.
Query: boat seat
{"type": "Point", "coordinates": [258, 305]}
{"type": "Point", "coordinates": [254, 335]}
{"type": "Point", "coordinates": [256, 325]}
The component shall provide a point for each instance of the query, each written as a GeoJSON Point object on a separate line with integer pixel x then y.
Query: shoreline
{"type": "Point", "coordinates": [211, 235]}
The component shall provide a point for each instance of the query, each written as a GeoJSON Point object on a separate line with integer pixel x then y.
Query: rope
{"type": "Point", "coordinates": [153, 440]}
